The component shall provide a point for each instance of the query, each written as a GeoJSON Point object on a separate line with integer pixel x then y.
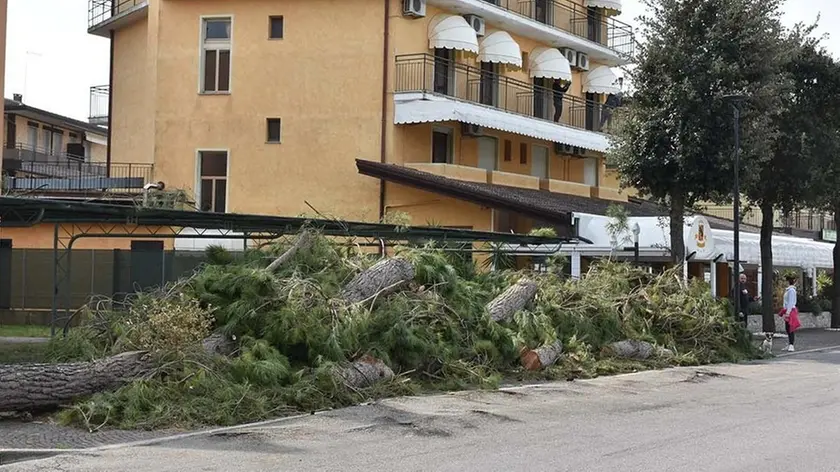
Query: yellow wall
{"type": "Point", "coordinates": [42, 236]}
{"type": "Point", "coordinates": [430, 208]}
{"type": "Point", "coordinates": [131, 114]}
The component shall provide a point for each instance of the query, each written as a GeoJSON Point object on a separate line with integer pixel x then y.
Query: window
{"type": "Point", "coordinates": [444, 75]}
{"type": "Point", "coordinates": [523, 153]}
{"type": "Point", "coordinates": [32, 136]}
{"type": "Point", "coordinates": [508, 150]}
{"type": "Point", "coordinates": [273, 125]}
{"type": "Point", "coordinates": [539, 161]}
{"type": "Point", "coordinates": [442, 146]}
{"type": "Point", "coordinates": [542, 98]}
{"type": "Point", "coordinates": [213, 180]}
{"type": "Point", "coordinates": [275, 27]}
{"type": "Point", "coordinates": [216, 46]}
{"type": "Point", "coordinates": [489, 84]}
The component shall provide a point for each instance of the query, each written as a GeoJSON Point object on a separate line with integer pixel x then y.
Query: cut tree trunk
{"type": "Point", "coordinates": [630, 349]}
{"type": "Point", "coordinates": [365, 372]}
{"type": "Point", "coordinates": [768, 321]}
{"type": "Point", "coordinates": [218, 344]}
{"type": "Point", "coordinates": [39, 386]}
{"type": "Point", "coordinates": [303, 241]}
{"type": "Point", "coordinates": [540, 358]}
{"type": "Point", "coordinates": [515, 298]}
{"type": "Point", "coordinates": [383, 278]}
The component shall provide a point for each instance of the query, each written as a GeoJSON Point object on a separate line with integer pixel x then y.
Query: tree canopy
{"type": "Point", "coordinates": [676, 140]}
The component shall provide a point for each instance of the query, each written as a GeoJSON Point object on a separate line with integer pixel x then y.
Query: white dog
{"type": "Point", "coordinates": [767, 344]}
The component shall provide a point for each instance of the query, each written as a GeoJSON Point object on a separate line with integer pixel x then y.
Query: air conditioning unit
{"type": "Point", "coordinates": [414, 8]}
{"type": "Point", "coordinates": [468, 129]}
{"type": "Point", "coordinates": [477, 23]}
{"type": "Point", "coordinates": [582, 61]}
{"type": "Point", "coordinates": [571, 56]}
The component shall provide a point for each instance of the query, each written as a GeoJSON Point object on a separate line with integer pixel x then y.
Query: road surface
{"type": "Point", "coordinates": [782, 415]}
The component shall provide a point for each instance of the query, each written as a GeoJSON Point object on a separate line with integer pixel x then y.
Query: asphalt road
{"type": "Point", "coordinates": [778, 416]}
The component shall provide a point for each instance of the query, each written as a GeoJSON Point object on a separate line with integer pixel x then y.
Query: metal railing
{"type": "Point", "coordinates": [574, 18]}
{"type": "Point", "coordinates": [807, 220]}
{"type": "Point", "coordinates": [99, 96]}
{"type": "Point", "coordinates": [100, 11]}
{"type": "Point", "coordinates": [430, 74]}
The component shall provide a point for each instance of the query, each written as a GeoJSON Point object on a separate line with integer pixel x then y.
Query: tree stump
{"type": "Point", "coordinates": [36, 386]}
{"type": "Point", "coordinates": [515, 298]}
{"type": "Point", "coordinates": [383, 278]}
{"type": "Point", "coordinates": [542, 357]}
{"type": "Point", "coordinates": [365, 372]}
{"type": "Point", "coordinates": [218, 344]}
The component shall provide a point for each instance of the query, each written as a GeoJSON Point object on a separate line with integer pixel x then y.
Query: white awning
{"type": "Point", "coordinates": [430, 108]}
{"type": "Point", "coordinates": [452, 32]}
{"type": "Point", "coordinates": [549, 63]}
{"type": "Point", "coordinates": [788, 251]}
{"type": "Point", "coordinates": [612, 6]}
{"type": "Point", "coordinates": [601, 80]}
{"type": "Point", "coordinates": [500, 47]}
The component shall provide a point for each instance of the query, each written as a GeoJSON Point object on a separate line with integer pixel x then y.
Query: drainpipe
{"type": "Point", "coordinates": [384, 129]}
{"type": "Point", "coordinates": [110, 106]}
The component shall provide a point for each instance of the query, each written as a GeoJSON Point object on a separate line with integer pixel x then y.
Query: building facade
{"type": "Point", "coordinates": [265, 107]}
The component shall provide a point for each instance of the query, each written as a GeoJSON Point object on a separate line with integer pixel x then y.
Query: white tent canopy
{"type": "Point", "coordinates": [500, 48]}
{"type": "Point", "coordinates": [549, 63]}
{"type": "Point", "coordinates": [452, 32]}
{"type": "Point", "coordinates": [612, 6]}
{"type": "Point", "coordinates": [601, 80]}
{"type": "Point", "coordinates": [788, 251]}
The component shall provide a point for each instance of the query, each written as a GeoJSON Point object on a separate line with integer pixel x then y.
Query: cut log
{"type": "Point", "coordinates": [542, 357]}
{"type": "Point", "coordinates": [38, 386]}
{"type": "Point", "coordinates": [365, 372]}
{"type": "Point", "coordinates": [218, 344]}
{"type": "Point", "coordinates": [631, 349]}
{"type": "Point", "coordinates": [515, 298]}
{"type": "Point", "coordinates": [383, 278]}
{"type": "Point", "coordinates": [304, 240]}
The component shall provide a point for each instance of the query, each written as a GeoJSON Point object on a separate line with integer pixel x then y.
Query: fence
{"type": "Point", "coordinates": [100, 11]}
{"type": "Point", "coordinates": [26, 282]}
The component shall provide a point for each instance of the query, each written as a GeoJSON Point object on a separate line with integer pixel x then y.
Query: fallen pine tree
{"type": "Point", "coordinates": [249, 338]}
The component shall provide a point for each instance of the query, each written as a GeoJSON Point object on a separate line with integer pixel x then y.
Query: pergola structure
{"type": "Point", "coordinates": [76, 220]}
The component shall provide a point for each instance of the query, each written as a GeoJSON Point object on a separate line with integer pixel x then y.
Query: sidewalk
{"type": "Point", "coordinates": [807, 340]}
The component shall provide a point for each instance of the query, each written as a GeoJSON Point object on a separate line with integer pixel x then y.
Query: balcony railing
{"type": "Point", "coordinates": [100, 11]}
{"type": "Point", "coordinates": [35, 170]}
{"type": "Point", "coordinates": [806, 220]}
{"type": "Point", "coordinates": [573, 18]}
{"type": "Point", "coordinates": [99, 96]}
{"type": "Point", "coordinates": [430, 74]}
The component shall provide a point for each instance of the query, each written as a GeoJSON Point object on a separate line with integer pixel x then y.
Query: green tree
{"type": "Point", "coordinates": [823, 143]}
{"type": "Point", "coordinates": [780, 171]}
{"type": "Point", "coordinates": [675, 142]}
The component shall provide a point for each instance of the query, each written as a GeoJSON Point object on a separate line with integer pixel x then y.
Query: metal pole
{"type": "Point", "coordinates": [736, 211]}
{"type": "Point", "coordinates": [636, 251]}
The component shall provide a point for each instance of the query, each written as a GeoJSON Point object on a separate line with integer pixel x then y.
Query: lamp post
{"type": "Point", "coordinates": [736, 101]}
{"type": "Point", "coordinates": [636, 230]}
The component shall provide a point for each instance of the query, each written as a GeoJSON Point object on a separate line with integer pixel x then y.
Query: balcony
{"type": "Point", "coordinates": [424, 79]}
{"type": "Point", "coordinates": [561, 23]}
{"type": "Point", "coordinates": [99, 100]}
{"type": "Point", "coordinates": [105, 16]}
{"type": "Point", "coordinates": [524, 181]}
{"type": "Point", "coordinates": [36, 170]}
{"type": "Point", "coordinates": [802, 220]}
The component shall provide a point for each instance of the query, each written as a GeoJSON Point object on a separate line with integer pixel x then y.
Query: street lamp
{"type": "Point", "coordinates": [736, 101]}
{"type": "Point", "coordinates": [636, 230]}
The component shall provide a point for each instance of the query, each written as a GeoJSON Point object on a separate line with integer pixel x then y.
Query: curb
{"type": "Point", "coordinates": [807, 351]}
{"type": "Point", "coordinates": [8, 456]}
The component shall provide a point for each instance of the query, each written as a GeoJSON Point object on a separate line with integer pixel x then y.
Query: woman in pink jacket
{"type": "Point", "coordinates": [790, 313]}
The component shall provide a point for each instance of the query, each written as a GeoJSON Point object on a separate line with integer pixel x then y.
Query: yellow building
{"type": "Point", "coordinates": [258, 106]}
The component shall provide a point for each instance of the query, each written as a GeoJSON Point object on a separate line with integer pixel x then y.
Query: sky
{"type": "Point", "coordinates": [53, 62]}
